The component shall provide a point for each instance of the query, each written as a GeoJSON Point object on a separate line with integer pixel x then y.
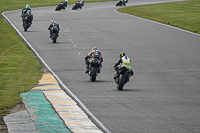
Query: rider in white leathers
{"type": "Point", "coordinates": [123, 61]}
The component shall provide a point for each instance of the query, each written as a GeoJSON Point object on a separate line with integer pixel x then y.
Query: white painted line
{"type": "Point", "coordinates": [66, 30]}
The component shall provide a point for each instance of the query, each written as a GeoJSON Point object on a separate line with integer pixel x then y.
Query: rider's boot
{"type": "Point", "coordinates": [115, 76]}
{"type": "Point", "coordinates": [98, 70]}
{"type": "Point", "coordinates": [87, 70]}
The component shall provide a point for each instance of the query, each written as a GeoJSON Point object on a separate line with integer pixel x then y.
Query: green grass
{"type": "Point", "coordinates": [184, 14]}
{"type": "Point", "coordinates": [19, 67]}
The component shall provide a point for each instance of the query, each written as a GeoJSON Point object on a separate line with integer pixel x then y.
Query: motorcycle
{"type": "Point", "coordinates": [27, 22]}
{"type": "Point", "coordinates": [54, 35]}
{"type": "Point", "coordinates": [78, 4]}
{"type": "Point", "coordinates": [122, 78]}
{"type": "Point", "coordinates": [122, 2]}
{"type": "Point", "coordinates": [94, 69]}
{"type": "Point", "coordinates": [61, 5]}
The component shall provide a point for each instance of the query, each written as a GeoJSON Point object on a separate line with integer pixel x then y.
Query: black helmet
{"type": "Point", "coordinates": [121, 55]}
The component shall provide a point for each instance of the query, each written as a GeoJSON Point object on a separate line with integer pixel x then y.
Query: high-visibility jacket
{"type": "Point", "coordinates": [124, 62]}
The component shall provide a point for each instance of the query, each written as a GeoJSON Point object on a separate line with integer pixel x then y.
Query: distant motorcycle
{"type": "Point", "coordinates": [26, 24]}
{"type": "Point", "coordinates": [61, 5]}
{"type": "Point", "coordinates": [78, 4]}
{"type": "Point", "coordinates": [54, 35]}
{"type": "Point", "coordinates": [27, 20]}
{"type": "Point", "coordinates": [122, 2]}
{"type": "Point", "coordinates": [122, 78]}
{"type": "Point", "coordinates": [94, 69]}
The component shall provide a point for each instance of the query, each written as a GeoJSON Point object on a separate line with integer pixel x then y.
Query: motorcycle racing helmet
{"type": "Point", "coordinates": [121, 55]}
{"type": "Point", "coordinates": [27, 6]}
{"type": "Point", "coordinates": [53, 21]}
{"type": "Point", "coordinates": [95, 48]}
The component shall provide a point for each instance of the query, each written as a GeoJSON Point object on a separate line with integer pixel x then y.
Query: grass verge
{"type": "Point", "coordinates": [183, 14]}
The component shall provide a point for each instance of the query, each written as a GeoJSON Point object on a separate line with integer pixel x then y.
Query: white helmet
{"type": "Point", "coordinates": [27, 6]}
{"type": "Point", "coordinates": [53, 21]}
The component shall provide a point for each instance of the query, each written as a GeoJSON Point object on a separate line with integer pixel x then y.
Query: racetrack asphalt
{"type": "Point", "coordinates": [162, 96]}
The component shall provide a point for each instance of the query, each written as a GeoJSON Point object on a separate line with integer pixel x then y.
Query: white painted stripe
{"type": "Point", "coordinates": [66, 30]}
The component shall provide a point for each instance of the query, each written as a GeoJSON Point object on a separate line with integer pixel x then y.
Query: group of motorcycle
{"type": "Point", "coordinates": [80, 4]}
{"type": "Point", "coordinates": [94, 67]}
{"type": "Point", "coordinates": [27, 17]}
{"type": "Point", "coordinates": [121, 79]}
{"type": "Point", "coordinates": [63, 5]}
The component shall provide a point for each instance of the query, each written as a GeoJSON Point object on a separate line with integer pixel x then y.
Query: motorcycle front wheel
{"type": "Point", "coordinates": [74, 7]}
{"type": "Point", "coordinates": [118, 4]}
{"type": "Point", "coordinates": [58, 8]}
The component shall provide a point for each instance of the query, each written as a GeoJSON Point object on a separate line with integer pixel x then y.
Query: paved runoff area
{"type": "Point", "coordinates": [49, 109]}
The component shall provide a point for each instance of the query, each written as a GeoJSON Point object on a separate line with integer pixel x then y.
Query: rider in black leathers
{"type": "Point", "coordinates": [53, 23]}
{"type": "Point", "coordinates": [93, 54]}
{"type": "Point", "coordinates": [80, 4]}
{"type": "Point", "coordinates": [27, 17]}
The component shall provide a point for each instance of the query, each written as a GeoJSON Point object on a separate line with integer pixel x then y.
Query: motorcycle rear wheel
{"type": "Point", "coordinates": [26, 26]}
{"type": "Point", "coordinates": [54, 38]}
{"type": "Point", "coordinates": [121, 82]}
{"type": "Point", "coordinates": [93, 74]}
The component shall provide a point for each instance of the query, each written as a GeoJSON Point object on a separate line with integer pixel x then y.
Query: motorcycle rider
{"type": "Point", "coordinates": [123, 61]}
{"type": "Point", "coordinates": [28, 16]}
{"type": "Point", "coordinates": [82, 3]}
{"type": "Point", "coordinates": [124, 2]}
{"type": "Point", "coordinates": [25, 9]}
{"type": "Point", "coordinates": [65, 3]}
{"type": "Point", "coordinates": [95, 53]}
{"type": "Point", "coordinates": [53, 23]}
